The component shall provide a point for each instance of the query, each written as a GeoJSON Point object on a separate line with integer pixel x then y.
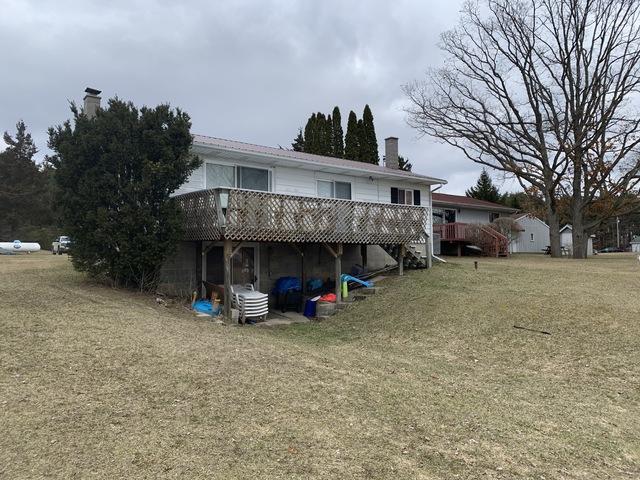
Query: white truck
{"type": "Point", "coordinates": [61, 245]}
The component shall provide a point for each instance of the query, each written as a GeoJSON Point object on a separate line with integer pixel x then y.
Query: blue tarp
{"type": "Point", "coordinates": [204, 306]}
{"type": "Point", "coordinates": [287, 284]}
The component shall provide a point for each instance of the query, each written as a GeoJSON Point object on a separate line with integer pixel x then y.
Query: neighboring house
{"type": "Point", "coordinates": [457, 220]}
{"type": "Point", "coordinates": [566, 240]}
{"type": "Point", "coordinates": [255, 213]}
{"type": "Point", "coordinates": [458, 208]}
{"type": "Point", "coordinates": [533, 237]}
{"type": "Point", "coordinates": [635, 244]}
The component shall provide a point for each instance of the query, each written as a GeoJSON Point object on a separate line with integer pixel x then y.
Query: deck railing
{"type": "Point", "coordinates": [252, 215]}
{"type": "Point", "coordinates": [492, 242]}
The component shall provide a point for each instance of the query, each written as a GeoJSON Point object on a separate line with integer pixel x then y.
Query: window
{"type": "Point", "coordinates": [493, 216]}
{"type": "Point", "coordinates": [325, 189]}
{"type": "Point", "coordinates": [343, 190]}
{"type": "Point", "coordinates": [229, 176]}
{"type": "Point", "coordinates": [438, 215]}
{"type": "Point", "coordinates": [405, 196]}
{"type": "Point", "coordinates": [254, 179]}
{"type": "Point", "coordinates": [220, 175]}
{"type": "Point", "coordinates": [331, 189]}
{"type": "Point", "coordinates": [449, 216]}
{"type": "Point", "coordinates": [532, 240]}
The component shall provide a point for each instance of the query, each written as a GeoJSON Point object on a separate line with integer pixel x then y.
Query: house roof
{"type": "Point", "coordinates": [316, 162]}
{"type": "Point", "coordinates": [636, 239]}
{"type": "Point", "coordinates": [566, 227]}
{"type": "Point", "coordinates": [520, 215]}
{"type": "Point", "coordinates": [444, 199]}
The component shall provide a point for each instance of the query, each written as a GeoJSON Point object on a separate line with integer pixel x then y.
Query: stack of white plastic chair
{"type": "Point", "coordinates": [249, 302]}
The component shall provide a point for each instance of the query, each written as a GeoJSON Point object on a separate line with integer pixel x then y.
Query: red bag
{"type": "Point", "coordinates": [329, 297]}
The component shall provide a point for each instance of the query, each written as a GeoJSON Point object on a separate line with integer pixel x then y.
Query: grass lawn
{"type": "Point", "coordinates": [427, 380]}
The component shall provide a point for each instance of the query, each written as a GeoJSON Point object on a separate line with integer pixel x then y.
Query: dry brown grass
{"type": "Point", "coordinates": [428, 380]}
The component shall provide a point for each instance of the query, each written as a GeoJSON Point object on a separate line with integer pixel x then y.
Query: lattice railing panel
{"type": "Point", "coordinates": [264, 216]}
{"type": "Point", "coordinates": [271, 217]}
{"type": "Point", "coordinates": [200, 215]}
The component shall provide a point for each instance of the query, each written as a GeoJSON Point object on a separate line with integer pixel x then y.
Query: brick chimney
{"type": "Point", "coordinates": [391, 153]}
{"type": "Point", "coordinates": [91, 102]}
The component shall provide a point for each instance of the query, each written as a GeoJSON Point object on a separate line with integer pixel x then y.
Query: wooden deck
{"type": "Point", "coordinates": [248, 215]}
{"type": "Point", "coordinates": [491, 242]}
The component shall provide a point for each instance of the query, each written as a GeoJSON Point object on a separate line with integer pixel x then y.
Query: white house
{"type": "Point", "coordinates": [533, 236]}
{"type": "Point", "coordinates": [254, 214]}
{"type": "Point", "coordinates": [566, 240]}
{"type": "Point", "coordinates": [635, 244]}
{"type": "Point", "coordinates": [461, 209]}
{"type": "Point", "coordinates": [456, 218]}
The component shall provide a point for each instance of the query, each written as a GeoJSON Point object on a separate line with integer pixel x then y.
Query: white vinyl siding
{"type": "Point", "coordinates": [299, 181]}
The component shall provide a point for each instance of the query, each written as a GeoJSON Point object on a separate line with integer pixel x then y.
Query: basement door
{"type": "Point", "coordinates": [244, 266]}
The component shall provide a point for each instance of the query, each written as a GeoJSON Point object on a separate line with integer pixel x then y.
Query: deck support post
{"type": "Point", "coordinates": [429, 251]}
{"type": "Point", "coordinates": [459, 249]}
{"type": "Point", "coordinates": [401, 254]}
{"type": "Point", "coordinates": [200, 274]}
{"type": "Point", "coordinates": [363, 255]}
{"type": "Point", "coordinates": [300, 251]}
{"type": "Point", "coordinates": [337, 255]}
{"type": "Point", "coordinates": [227, 255]}
{"type": "Point", "coordinates": [338, 272]}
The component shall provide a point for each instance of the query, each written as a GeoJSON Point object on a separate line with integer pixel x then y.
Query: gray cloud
{"type": "Point", "coordinates": [245, 70]}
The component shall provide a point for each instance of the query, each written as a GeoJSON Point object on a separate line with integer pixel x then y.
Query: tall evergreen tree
{"type": "Point", "coordinates": [351, 139]}
{"type": "Point", "coordinates": [25, 209]}
{"type": "Point", "coordinates": [337, 135]}
{"type": "Point", "coordinates": [368, 140]}
{"type": "Point", "coordinates": [298, 142]}
{"type": "Point", "coordinates": [310, 135]}
{"type": "Point", "coordinates": [363, 148]}
{"type": "Point", "coordinates": [328, 137]}
{"type": "Point", "coordinates": [115, 175]}
{"type": "Point", "coordinates": [484, 189]}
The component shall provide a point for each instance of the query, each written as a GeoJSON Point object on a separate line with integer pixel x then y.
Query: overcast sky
{"type": "Point", "coordinates": [245, 70]}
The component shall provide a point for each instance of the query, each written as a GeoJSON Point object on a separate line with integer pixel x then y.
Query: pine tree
{"type": "Point", "coordinates": [363, 147]}
{"type": "Point", "coordinates": [351, 143]}
{"type": "Point", "coordinates": [337, 140]}
{"type": "Point", "coordinates": [404, 164]}
{"type": "Point", "coordinates": [298, 142]}
{"type": "Point", "coordinates": [115, 174]}
{"type": "Point", "coordinates": [328, 137]}
{"type": "Point", "coordinates": [25, 207]}
{"type": "Point", "coordinates": [369, 140]}
{"type": "Point", "coordinates": [484, 189]}
{"type": "Point", "coordinates": [310, 135]}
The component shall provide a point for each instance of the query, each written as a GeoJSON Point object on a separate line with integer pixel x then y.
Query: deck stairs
{"type": "Point", "coordinates": [415, 254]}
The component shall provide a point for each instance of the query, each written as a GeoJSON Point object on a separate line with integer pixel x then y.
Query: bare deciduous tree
{"type": "Point", "coordinates": [540, 89]}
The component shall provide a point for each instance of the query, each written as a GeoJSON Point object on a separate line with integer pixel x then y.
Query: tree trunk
{"type": "Point", "coordinates": [578, 233]}
{"type": "Point", "coordinates": [554, 226]}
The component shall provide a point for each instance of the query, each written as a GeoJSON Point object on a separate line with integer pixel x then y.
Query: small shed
{"type": "Point", "coordinates": [635, 244]}
{"type": "Point", "coordinates": [566, 240]}
{"type": "Point", "coordinates": [533, 236]}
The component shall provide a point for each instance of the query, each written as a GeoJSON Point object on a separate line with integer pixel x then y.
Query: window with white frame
{"type": "Point", "coordinates": [405, 196]}
{"type": "Point", "coordinates": [531, 238]}
{"type": "Point", "coordinates": [230, 176]}
{"type": "Point", "coordinates": [333, 189]}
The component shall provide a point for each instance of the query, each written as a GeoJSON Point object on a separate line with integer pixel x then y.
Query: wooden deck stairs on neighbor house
{"type": "Point", "coordinates": [489, 241]}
